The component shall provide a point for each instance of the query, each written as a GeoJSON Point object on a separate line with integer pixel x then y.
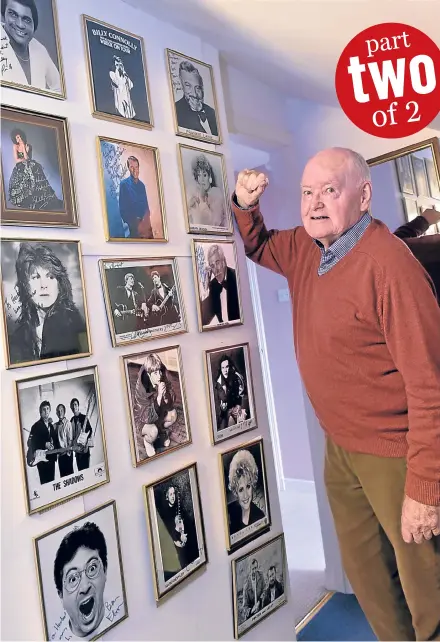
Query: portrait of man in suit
{"type": "Point", "coordinates": [192, 112]}
{"type": "Point", "coordinates": [219, 293]}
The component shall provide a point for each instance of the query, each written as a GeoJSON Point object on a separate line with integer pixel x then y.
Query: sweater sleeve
{"type": "Point", "coordinates": [411, 323]}
{"type": "Point", "coordinates": [413, 229]}
{"type": "Point", "coordinates": [272, 249]}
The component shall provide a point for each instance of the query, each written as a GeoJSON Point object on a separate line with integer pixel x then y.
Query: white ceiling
{"type": "Point", "coordinates": [291, 45]}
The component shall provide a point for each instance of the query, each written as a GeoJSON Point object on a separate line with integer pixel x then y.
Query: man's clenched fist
{"type": "Point", "coordinates": [250, 186]}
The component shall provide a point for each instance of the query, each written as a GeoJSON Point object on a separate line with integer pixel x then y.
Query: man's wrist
{"type": "Point", "coordinates": [241, 207]}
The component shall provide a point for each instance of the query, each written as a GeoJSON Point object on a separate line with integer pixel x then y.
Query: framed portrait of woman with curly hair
{"type": "Point", "coordinates": [245, 493]}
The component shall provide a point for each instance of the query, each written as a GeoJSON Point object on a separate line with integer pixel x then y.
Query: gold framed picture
{"type": "Point", "coordinates": [37, 175]}
{"type": "Point", "coordinates": [62, 439]}
{"type": "Point", "coordinates": [132, 192]}
{"type": "Point", "coordinates": [194, 98]}
{"type": "Point", "coordinates": [404, 174]}
{"type": "Point", "coordinates": [156, 403]}
{"type": "Point", "coordinates": [205, 191]}
{"type": "Point", "coordinates": [87, 546]}
{"type": "Point", "coordinates": [44, 301]}
{"type": "Point", "coordinates": [410, 208]}
{"type": "Point", "coordinates": [245, 493]}
{"type": "Point", "coordinates": [176, 529]}
{"type": "Point", "coordinates": [118, 78]}
{"type": "Point", "coordinates": [29, 33]}
{"type": "Point", "coordinates": [143, 299]}
{"type": "Point", "coordinates": [217, 281]}
{"type": "Point", "coordinates": [433, 178]}
{"type": "Point", "coordinates": [230, 391]}
{"type": "Point", "coordinates": [259, 582]}
{"type": "Point", "coordinates": [420, 176]}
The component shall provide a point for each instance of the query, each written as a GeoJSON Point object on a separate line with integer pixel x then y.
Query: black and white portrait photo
{"type": "Point", "coordinates": [246, 500]}
{"type": "Point", "coordinates": [156, 399]}
{"type": "Point", "coordinates": [81, 577]}
{"type": "Point", "coordinates": [231, 395]}
{"type": "Point", "coordinates": [175, 522]}
{"type": "Point", "coordinates": [217, 284]}
{"type": "Point", "coordinates": [259, 584]}
{"type": "Point", "coordinates": [62, 437]}
{"type": "Point", "coordinates": [30, 50]}
{"type": "Point", "coordinates": [205, 192]}
{"type": "Point", "coordinates": [194, 97]}
{"type": "Point", "coordinates": [143, 299]}
{"type": "Point", "coordinates": [44, 301]}
{"type": "Point", "coordinates": [117, 74]}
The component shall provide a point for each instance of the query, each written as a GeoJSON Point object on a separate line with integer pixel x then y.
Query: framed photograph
{"type": "Point", "coordinates": [433, 178]}
{"type": "Point", "coordinates": [61, 437]}
{"type": "Point", "coordinates": [410, 209]}
{"type": "Point", "coordinates": [258, 584]}
{"type": "Point", "coordinates": [176, 530]}
{"type": "Point", "coordinates": [217, 284]}
{"type": "Point", "coordinates": [30, 46]}
{"type": "Point", "coordinates": [143, 299]}
{"type": "Point", "coordinates": [404, 174]}
{"type": "Point", "coordinates": [117, 74]}
{"type": "Point", "coordinates": [194, 98]}
{"type": "Point", "coordinates": [156, 399]}
{"type": "Point", "coordinates": [81, 576]}
{"type": "Point", "coordinates": [420, 176]}
{"type": "Point", "coordinates": [37, 176]}
{"type": "Point", "coordinates": [44, 301]}
{"type": "Point", "coordinates": [230, 391]}
{"type": "Point", "coordinates": [131, 184]}
{"type": "Point", "coordinates": [205, 191]}
{"type": "Point", "coordinates": [245, 494]}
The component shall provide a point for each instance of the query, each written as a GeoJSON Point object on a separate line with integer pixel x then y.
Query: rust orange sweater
{"type": "Point", "coordinates": [367, 342]}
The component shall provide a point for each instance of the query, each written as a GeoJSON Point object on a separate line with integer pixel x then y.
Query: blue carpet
{"type": "Point", "coordinates": [341, 618]}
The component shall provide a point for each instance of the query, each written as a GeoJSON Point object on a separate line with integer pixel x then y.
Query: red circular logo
{"type": "Point", "coordinates": [388, 80]}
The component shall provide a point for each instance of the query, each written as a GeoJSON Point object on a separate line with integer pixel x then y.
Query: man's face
{"type": "Point", "coordinates": [45, 413]}
{"type": "Point", "coordinates": [43, 287]}
{"type": "Point", "coordinates": [254, 569]}
{"type": "Point", "coordinates": [133, 168]}
{"type": "Point", "coordinates": [332, 196]}
{"type": "Point", "coordinates": [225, 368]}
{"type": "Point", "coordinates": [171, 496]}
{"type": "Point", "coordinates": [83, 596]}
{"type": "Point", "coordinates": [19, 24]}
{"type": "Point", "coordinates": [130, 283]}
{"type": "Point", "coordinates": [75, 408]}
{"type": "Point", "coordinates": [60, 412]}
{"type": "Point", "coordinates": [119, 66]}
{"type": "Point", "coordinates": [192, 89]}
{"type": "Point", "coordinates": [156, 280]}
{"type": "Point", "coordinates": [271, 577]}
{"type": "Point", "coordinates": [217, 264]}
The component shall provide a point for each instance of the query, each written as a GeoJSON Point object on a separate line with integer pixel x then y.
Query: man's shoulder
{"type": "Point", "coordinates": [208, 109]}
{"type": "Point", "coordinates": [384, 247]}
{"type": "Point", "coordinates": [124, 182]}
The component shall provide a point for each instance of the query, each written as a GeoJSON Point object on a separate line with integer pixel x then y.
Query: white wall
{"type": "Point", "coordinates": [201, 609]}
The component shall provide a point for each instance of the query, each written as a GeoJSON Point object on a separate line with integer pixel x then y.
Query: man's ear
{"type": "Point", "coordinates": [366, 195]}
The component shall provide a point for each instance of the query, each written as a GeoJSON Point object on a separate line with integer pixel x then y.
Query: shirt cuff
{"type": "Point", "coordinates": [243, 209]}
{"type": "Point", "coordinates": [422, 490]}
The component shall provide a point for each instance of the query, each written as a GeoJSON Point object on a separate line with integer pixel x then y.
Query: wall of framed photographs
{"type": "Point", "coordinates": [127, 452]}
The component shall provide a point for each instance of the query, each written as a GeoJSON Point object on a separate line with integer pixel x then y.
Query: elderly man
{"type": "Point", "coordinates": [367, 341]}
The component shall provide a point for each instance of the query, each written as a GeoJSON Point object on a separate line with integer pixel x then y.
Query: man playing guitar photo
{"type": "Point", "coordinates": [161, 303]}
{"type": "Point", "coordinates": [131, 310]}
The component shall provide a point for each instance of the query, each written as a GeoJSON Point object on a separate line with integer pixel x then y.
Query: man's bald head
{"type": "Point", "coordinates": [336, 192]}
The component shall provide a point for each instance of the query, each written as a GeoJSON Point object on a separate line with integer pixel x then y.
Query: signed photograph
{"type": "Point", "coordinates": [62, 437]}
{"type": "Point", "coordinates": [117, 74]}
{"type": "Point", "coordinates": [37, 177]}
{"type": "Point", "coordinates": [176, 530]}
{"type": "Point", "coordinates": [81, 577]}
{"type": "Point", "coordinates": [30, 47]}
{"type": "Point", "coordinates": [230, 392]}
{"type": "Point", "coordinates": [194, 98]}
{"type": "Point", "coordinates": [156, 401]}
{"type": "Point", "coordinates": [205, 191]}
{"type": "Point", "coordinates": [143, 299]}
{"type": "Point", "coordinates": [131, 185]}
{"type": "Point", "coordinates": [217, 284]}
{"type": "Point", "coordinates": [404, 174]}
{"type": "Point", "coordinates": [245, 494]}
{"type": "Point", "coordinates": [258, 584]}
{"type": "Point", "coordinates": [44, 302]}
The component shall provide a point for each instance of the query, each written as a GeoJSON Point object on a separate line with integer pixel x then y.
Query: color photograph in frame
{"type": "Point", "coordinates": [205, 191]}
{"type": "Point", "coordinates": [143, 299]}
{"type": "Point", "coordinates": [230, 391]}
{"type": "Point", "coordinates": [245, 493]}
{"type": "Point", "coordinates": [194, 98]}
{"type": "Point", "coordinates": [259, 581]}
{"type": "Point", "coordinates": [404, 173]}
{"type": "Point", "coordinates": [131, 184]}
{"type": "Point", "coordinates": [37, 175]}
{"type": "Point", "coordinates": [87, 546]}
{"type": "Point", "coordinates": [433, 178]}
{"type": "Point", "coordinates": [217, 282]}
{"type": "Point", "coordinates": [44, 301]}
{"type": "Point", "coordinates": [30, 46]}
{"type": "Point", "coordinates": [156, 402]}
{"type": "Point", "coordinates": [61, 436]}
{"type": "Point", "coordinates": [117, 74]}
{"type": "Point", "coordinates": [420, 176]}
{"type": "Point", "coordinates": [176, 529]}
